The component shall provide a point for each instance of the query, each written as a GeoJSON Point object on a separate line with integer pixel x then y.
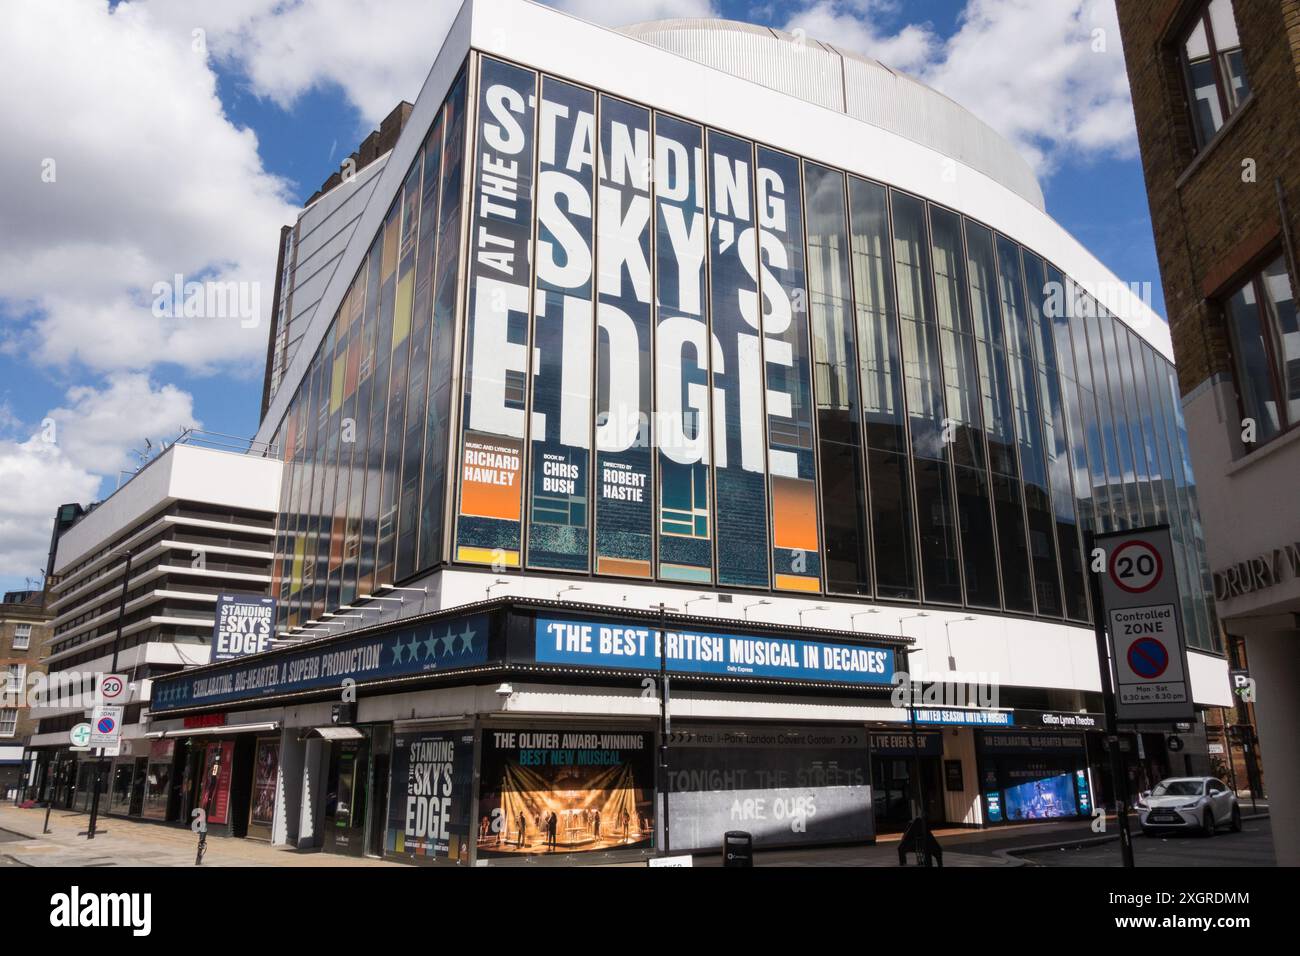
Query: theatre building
{"type": "Point", "coordinates": [701, 330]}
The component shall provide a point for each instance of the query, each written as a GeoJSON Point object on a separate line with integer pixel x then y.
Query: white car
{"type": "Point", "coordinates": [1189, 803]}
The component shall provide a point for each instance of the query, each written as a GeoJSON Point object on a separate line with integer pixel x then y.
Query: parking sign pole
{"type": "Point", "coordinates": [117, 643]}
{"type": "Point", "coordinates": [1118, 776]}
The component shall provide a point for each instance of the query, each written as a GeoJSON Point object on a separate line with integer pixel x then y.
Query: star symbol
{"type": "Point", "coordinates": [448, 641]}
{"type": "Point", "coordinates": [412, 651]}
{"type": "Point", "coordinates": [467, 639]}
{"type": "Point", "coordinates": [429, 643]}
{"type": "Point", "coordinates": [397, 652]}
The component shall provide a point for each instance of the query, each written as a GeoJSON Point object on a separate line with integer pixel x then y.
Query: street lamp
{"type": "Point", "coordinates": [809, 610]}
{"type": "Point", "coordinates": [702, 597]}
{"type": "Point", "coordinates": [919, 822]}
{"type": "Point", "coordinates": [745, 609]}
{"type": "Point", "coordinates": [947, 628]}
{"type": "Point", "coordinates": [495, 584]}
{"type": "Point", "coordinates": [572, 587]}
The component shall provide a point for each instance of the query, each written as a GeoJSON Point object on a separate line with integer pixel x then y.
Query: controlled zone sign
{"type": "Point", "coordinates": [1145, 626]}
{"type": "Point", "coordinates": [106, 726]}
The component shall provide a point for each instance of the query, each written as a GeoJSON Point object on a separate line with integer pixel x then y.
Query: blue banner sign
{"type": "Point", "coordinates": [629, 646]}
{"type": "Point", "coordinates": [967, 718]}
{"type": "Point", "coordinates": [406, 652]}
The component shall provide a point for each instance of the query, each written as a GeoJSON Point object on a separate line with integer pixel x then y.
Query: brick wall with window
{"type": "Point", "coordinates": [24, 630]}
{"type": "Point", "coordinates": [1216, 93]}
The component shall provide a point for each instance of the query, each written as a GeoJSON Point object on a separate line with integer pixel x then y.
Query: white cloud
{"type": "Point", "coordinates": [149, 179]}
{"type": "Point", "coordinates": [378, 52]}
{"type": "Point", "coordinates": [78, 446]}
{"type": "Point", "coordinates": [848, 24]}
{"type": "Point", "coordinates": [1048, 75]}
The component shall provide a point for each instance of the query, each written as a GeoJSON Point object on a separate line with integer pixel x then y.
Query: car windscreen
{"type": "Point", "coordinates": [1178, 788]}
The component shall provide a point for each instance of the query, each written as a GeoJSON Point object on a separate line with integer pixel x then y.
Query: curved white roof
{"type": "Point", "coordinates": [849, 83]}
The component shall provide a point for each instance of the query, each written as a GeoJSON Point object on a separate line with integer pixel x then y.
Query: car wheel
{"type": "Point", "coordinates": [1236, 818]}
{"type": "Point", "coordinates": [1207, 825]}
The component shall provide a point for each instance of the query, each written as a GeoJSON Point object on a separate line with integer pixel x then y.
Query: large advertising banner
{"type": "Point", "coordinates": [405, 652]}
{"type": "Point", "coordinates": [792, 461]}
{"type": "Point", "coordinates": [624, 509]}
{"type": "Point", "coordinates": [785, 785]}
{"type": "Point", "coordinates": [488, 524]}
{"type": "Point", "coordinates": [634, 647]}
{"type": "Point", "coordinates": [548, 790]}
{"type": "Point", "coordinates": [682, 353]}
{"type": "Point", "coordinates": [739, 445]}
{"type": "Point", "coordinates": [429, 799]}
{"type": "Point", "coordinates": [563, 323]}
{"type": "Point", "coordinates": [244, 624]}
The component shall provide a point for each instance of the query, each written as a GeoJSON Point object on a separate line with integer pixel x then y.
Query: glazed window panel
{"type": "Point", "coordinates": [368, 276]}
{"type": "Point", "coordinates": [439, 456]}
{"type": "Point", "coordinates": [625, 509]}
{"type": "Point", "coordinates": [936, 521]}
{"type": "Point", "coordinates": [1215, 67]}
{"type": "Point", "coordinates": [792, 459]}
{"type": "Point", "coordinates": [739, 454]}
{"type": "Point", "coordinates": [880, 364]}
{"type": "Point", "coordinates": [1004, 471]}
{"type": "Point", "coordinates": [398, 373]}
{"type": "Point", "coordinates": [1045, 294]}
{"type": "Point", "coordinates": [682, 349]}
{"type": "Point", "coordinates": [419, 372]}
{"type": "Point", "coordinates": [559, 471]}
{"type": "Point", "coordinates": [844, 506]}
{"type": "Point", "coordinates": [956, 333]}
{"type": "Point", "coordinates": [381, 306]}
{"type": "Point", "coordinates": [489, 521]}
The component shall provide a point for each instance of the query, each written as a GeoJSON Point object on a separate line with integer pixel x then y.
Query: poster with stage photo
{"type": "Point", "coordinates": [429, 803]}
{"type": "Point", "coordinates": [565, 791]}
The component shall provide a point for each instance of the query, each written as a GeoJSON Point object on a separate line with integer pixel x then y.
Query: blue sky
{"type": "Point", "coordinates": [235, 133]}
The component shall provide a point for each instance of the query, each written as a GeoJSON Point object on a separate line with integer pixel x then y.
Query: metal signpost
{"type": "Point", "coordinates": [1142, 654]}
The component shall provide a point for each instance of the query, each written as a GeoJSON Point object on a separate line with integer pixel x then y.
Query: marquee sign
{"type": "Point", "coordinates": [631, 646]}
{"type": "Point", "coordinates": [406, 652]}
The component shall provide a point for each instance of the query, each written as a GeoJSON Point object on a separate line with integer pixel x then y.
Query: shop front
{"type": "Point", "coordinates": [894, 762]}
{"type": "Point", "coordinates": [1033, 775]}
{"type": "Point", "coordinates": [432, 766]}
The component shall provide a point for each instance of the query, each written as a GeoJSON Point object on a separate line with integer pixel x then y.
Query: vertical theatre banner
{"type": "Point", "coordinates": [488, 524]}
{"type": "Point", "coordinates": [624, 509]}
{"type": "Point", "coordinates": [429, 804]}
{"type": "Point", "coordinates": [563, 324]}
{"type": "Point", "coordinates": [549, 791]}
{"type": "Point", "coordinates": [638, 374]}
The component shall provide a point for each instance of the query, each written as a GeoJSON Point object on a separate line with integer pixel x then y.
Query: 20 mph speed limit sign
{"type": "Point", "coordinates": [1145, 626]}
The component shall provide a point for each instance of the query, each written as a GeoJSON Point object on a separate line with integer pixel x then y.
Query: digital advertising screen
{"type": "Point", "coordinates": [1046, 798]}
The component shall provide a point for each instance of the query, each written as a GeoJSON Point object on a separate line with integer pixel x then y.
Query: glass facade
{"type": "Point", "coordinates": [689, 357]}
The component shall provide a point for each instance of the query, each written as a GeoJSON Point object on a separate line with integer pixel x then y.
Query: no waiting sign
{"type": "Point", "coordinates": [1145, 626]}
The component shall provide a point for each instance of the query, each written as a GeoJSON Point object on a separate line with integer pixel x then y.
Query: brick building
{"type": "Point", "coordinates": [1216, 93]}
{"type": "Point", "coordinates": [24, 628]}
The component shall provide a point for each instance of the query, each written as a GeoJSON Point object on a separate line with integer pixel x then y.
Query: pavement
{"type": "Point", "coordinates": [123, 842]}
{"type": "Point", "coordinates": [120, 842]}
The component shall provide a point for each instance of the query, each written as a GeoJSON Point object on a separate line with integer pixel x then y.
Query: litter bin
{"type": "Point", "coordinates": [737, 848]}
